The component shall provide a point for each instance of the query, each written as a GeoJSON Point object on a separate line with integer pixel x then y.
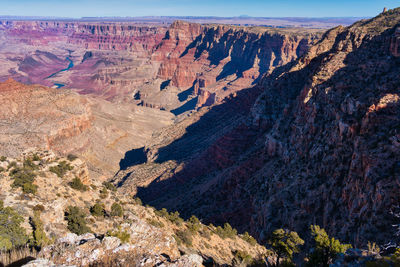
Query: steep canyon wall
{"type": "Point", "coordinates": [178, 68]}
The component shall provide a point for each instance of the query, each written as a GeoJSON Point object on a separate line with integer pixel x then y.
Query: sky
{"type": "Point", "coordinates": [221, 8]}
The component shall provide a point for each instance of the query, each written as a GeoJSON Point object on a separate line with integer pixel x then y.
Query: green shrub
{"type": "Point", "coordinates": [39, 236]}
{"type": "Point", "coordinates": [204, 232]}
{"type": "Point", "coordinates": [24, 178]}
{"type": "Point", "coordinates": [326, 249]}
{"type": "Point", "coordinates": [77, 184]}
{"type": "Point", "coordinates": [249, 239]}
{"type": "Point", "coordinates": [29, 165]}
{"type": "Point", "coordinates": [395, 258]}
{"type": "Point", "coordinates": [243, 257]}
{"type": "Point", "coordinates": [76, 220]}
{"type": "Point", "coordinates": [184, 237]}
{"type": "Point", "coordinates": [285, 243]}
{"type": "Point", "coordinates": [137, 201]}
{"type": "Point", "coordinates": [194, 224]}
{"type": "Point", "coordinates": [38, 207]}
{"type": "Point", "coordinates": [61, 169]}
{"type": "Point", "coordinates": [226, 232]}
{"type": "Point", "coordinates": [11, 233]}
{"type": "Point", "coordinates": [36, 157]}
{"type": "Point", "coordinates": [71, 157]}
{"type": "Point", "coordinates": [173, 217]}
{"type": "Point", "coordinates": [110, 186]}
{"type": "Point", "coordinates": [98, 210]}
{"type": "Point", "coordinates": [3, 158]}
{"type": "Point", "coordinates": [155, 223]}
{"type": "Point", "coordinates": [29, 188]}
{"type": "Point", "coordinates": [12, 164]}
{"type": "Point", "coordinates": [103, 193]}
{"type": "Point", "coordinates": [116, 210]}
{"type": "Point", "coordinates": [124, 236]}
{"type": "Point", "coordinates": [162, 213]}
{"type": "Point", "coordinates": [2, 169]}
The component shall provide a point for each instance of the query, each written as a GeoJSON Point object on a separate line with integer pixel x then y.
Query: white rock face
{"type": "Point", "coordinates": [110, 242]}
{"type": "Point", "coordinates": [44, 263]}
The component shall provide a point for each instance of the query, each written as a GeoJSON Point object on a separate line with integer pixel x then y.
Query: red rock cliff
{"type": "Point", "coordinates": [321, 145]}
{"type": "Point", "coordinates": [222, 59]}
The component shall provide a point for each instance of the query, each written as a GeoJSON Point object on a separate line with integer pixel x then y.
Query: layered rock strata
{"type": "Point", "coordinates": [320, 145]}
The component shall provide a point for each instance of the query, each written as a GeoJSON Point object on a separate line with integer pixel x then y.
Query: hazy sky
{"type": "Point", "coordinates": [259, 8]}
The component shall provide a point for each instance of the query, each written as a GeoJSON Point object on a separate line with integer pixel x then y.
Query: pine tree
{"type": "Point", "coordinates": [285, 243]}
{"type": "Point", "coordinates": [326, 249]}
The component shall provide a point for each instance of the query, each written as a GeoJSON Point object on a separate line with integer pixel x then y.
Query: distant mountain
{"type": "Point", "coordinates": [244, 20]}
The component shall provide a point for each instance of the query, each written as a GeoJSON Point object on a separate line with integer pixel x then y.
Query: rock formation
{"type": "Point", "coordinates": [139, 236]}
{"type": "Point", "coordinates": [320, 145]}
{"type": "Point", "coordinates": [178, 68]}
{"type": "Point", "coordinates": [66, 122]}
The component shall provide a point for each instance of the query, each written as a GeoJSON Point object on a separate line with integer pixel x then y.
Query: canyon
{"type": "Point", "coordinates": [316, 141]}
{"type": "Point", "coordinates": [261, 127]}
{"type": "Point", "coordinates": [69, 123]}
{"type": "Point", "coordinates": [173, 68]}
{"type": "Point", "coordinates": [133, 78]}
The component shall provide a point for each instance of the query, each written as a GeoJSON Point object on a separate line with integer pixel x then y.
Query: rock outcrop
{"type": "Point", "coordinates": [319, 146]}
{"type": "Point", "coordinates": [66, 122]}
{"type": "Point", "coordinates": [395, 43]}
{"type": "Point", "coordinates": [217, 60]}
{"type": "Point", "coordinates": [178, 68]}
{"type": "Point", "coordinates": [138, 236]}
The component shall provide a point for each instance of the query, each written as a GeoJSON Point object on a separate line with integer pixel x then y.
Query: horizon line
{"type": "Point", "coordinates": [180, 16]}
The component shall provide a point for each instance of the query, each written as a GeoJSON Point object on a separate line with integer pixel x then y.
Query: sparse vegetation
{"type": "Point", "coordinates": [39, 236]}
{"type": "Point", "coordinates": [249, 239]}
{"type": "Point", "coordinates": [173, 217]}
{"type": "Point", "coordinates": [36, 157]}
{"type": "Point", "coordinates": [155, 223]}
{"type": "Point", "coordinates": [325, 249]}
{"type": "Point", "coordinates": [285, 243]}
{"type": "Point", "coordinates": [29, 165]}
{"type": "Point", "coordinates": [103, 193]}
{"type": "Point", "coordinates": [184, 237]}
{"type": "Point", "coordinates": [194, 224]}
{"type": "Point", "coordinates": [116, 210]}
{"type": "Point", "coordinates": [38, 207]}
{"type": "Point", "coordinates": [242, 257]}
{"type": "Point", "coordinates": [98, 210]}
{"type": "Point", "coordinates": [61, 169]}
{"type": "Point", "coordinates": [71, 157]}
{"type": "Point", "coordinates": [204, 232]}
{"type": "Point", "coordinates": [3, 158]}
{"type": "Point", "coordinates": [12, 164]}
{"type": "Point", "coordinates": [24, 178]}
{"type": "Point", "coordinates": [124, 236]}
{"type": "Point", "coordinates": [77, 184]}
{"type": "Point", "coordinates": [11, 257]}
{"type": "Point", "coordinates": [110, 186]}
{"type": "Point", "coordinates": [137, 201]}
{"type": "Point", "coordinates": [76, 220]}
{"type": "Point", "coordinates": [12, 235]}
{"type": "Point", "coordinates": [226, 232]}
